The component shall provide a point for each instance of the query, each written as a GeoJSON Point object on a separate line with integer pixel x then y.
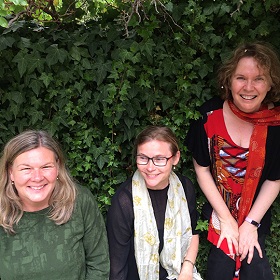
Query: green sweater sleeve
{"type": "Point", "coordinates": [95, 239]}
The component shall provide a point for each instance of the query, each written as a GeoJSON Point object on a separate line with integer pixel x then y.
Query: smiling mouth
{"type": "Point", "coordinates": [250, 97]}
{"type": "Point", "coordinates": [36, 188]}
{"type": "Point", "coordinates": [151, 175]}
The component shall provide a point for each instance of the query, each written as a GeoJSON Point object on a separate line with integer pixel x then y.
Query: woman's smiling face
{"type": "Point", "coordinates": [156, 177]}
{"type": "Point", "coordinates": [249, 85]}
{"type": "Point", "coordinates": [34, 175]}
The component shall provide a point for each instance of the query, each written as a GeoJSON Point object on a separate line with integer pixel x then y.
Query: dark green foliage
{"type": "Point", "coordinates": [94, 89]}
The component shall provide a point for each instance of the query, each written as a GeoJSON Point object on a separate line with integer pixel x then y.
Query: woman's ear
{"type": "Point", "coordinates": [58, 164]}
{"type": "Point", "coordinates": [11, 174]}
{"type": "Point", "coordinates": [176, 158]}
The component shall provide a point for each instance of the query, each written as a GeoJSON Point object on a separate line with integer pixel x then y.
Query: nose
{"type": "Point", "coordinates": [150, 164]}
{"type": "Point", "coordinates": [249, 85]}
{"type": "Point", "coordinates": [37, 175]}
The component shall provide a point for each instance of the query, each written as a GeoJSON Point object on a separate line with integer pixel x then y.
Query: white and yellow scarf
{"type": "Point", "coordinates": [177, 230]}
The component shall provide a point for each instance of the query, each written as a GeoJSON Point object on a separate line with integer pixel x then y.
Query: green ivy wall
{"type": "Point", "coordinates": [94, 88]}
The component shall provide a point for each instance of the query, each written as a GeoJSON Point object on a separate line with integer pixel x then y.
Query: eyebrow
{"type": "Point", "coordinates": [239, 74]}
{"type": "Point", "coordinates": [26, 164]}
{"type": "Point", "coordinates": [160, 155]}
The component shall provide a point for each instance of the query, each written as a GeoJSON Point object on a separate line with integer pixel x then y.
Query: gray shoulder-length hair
{"type": "Point", "coordinates": [63, 196]}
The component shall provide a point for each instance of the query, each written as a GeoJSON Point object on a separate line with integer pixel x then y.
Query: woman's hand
{"type": "Point", "coordinates": [248, 234]}
{"type": "Point", "coordinates": [186, 271]}
{"type": "Point", "coordinates": [229, 231]}
{"type": "Point", "coordinates": [189, 259]}
{"type": "Point", "coordinates": [229, 227]}
{"type": "Point", "coordinates": [248, 240]}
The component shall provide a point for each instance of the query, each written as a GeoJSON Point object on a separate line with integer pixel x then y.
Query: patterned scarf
{"type": "Point", "coordinates": [177, 230]}
{"type": "Point", "coordinates": [261, 120]}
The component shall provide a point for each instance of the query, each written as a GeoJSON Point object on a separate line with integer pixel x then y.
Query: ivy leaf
{"type": "Point", "coordinates": [17, 97]}
{"type": "Point", "coordinates": [102, 70]}
{"type": "Point", "coordinates": [65, 76]}
{"type": "Point", "coordinates": [3, 22]}
{"type": "Point", "coordinates": [46, 78]}
{"type": "Point", "coordinates": [22, 62]}
{"type": "Point", "coordinates": [36, 86]}
{"type": "Point", "coordinates": [167, 102]}
{"type": "Point", "coordinates": [86, 63]}
{"type": "Point", "coordinates": [202, 225]}
{"type": "Point", "coordinates": [169, 7]}
{"type": "Point", "coordinates": [14, 27]}
{"type": "Point", "coordinates": [20, 123]}
{"type": "Point", "coordinates": [128, 122]}
{"type": "Point", "coordinates": [35, 61]}
{"type": "Point", "coordinates": [25, 43]}
{"type": "Point", "coordinates": [36, 116]}
{"type": "Point", "coordinates": [224, 9]}
{"type": "Point", "coordinates": [5, 41]}
{"type": "Point", "coordinates": [75, 53]}
{"type": "Point", "coordinates": [54, 54]}
{"type": "Point", "coordinates": [100, 161]}
{"type": "Point", "coordinates": [79, 86]}
{"type": "Point", "coordinates": [19, 2]}
{"type": "Point", "coordinates": [148, 46]}
{"type": "Point", "coordinates": [14, 109]}
{"type": "Point", "coordinates": [128, 133]}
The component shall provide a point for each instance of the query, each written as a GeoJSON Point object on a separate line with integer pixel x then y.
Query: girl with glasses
{"type": "Point", "coordinates": [151, 222]}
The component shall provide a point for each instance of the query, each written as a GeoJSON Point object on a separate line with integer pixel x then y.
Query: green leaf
{"type": "Point", "coordinates": [169, 7]}
{"type": "Point", "coordinates": [102, 69]}
{"type": "Point", "coordinates": [35, 61]}
{"type": "Point", "coordinates": [86, 63]}
{"type": "Point", "coordinates": [148, 46]}
{"type": "Point", "coordinates": [3, 22]}
{"type": "Point", "coordinates": [101, 161]}
{"type": "Point", "coordinates": [65, 76]}
{"type": "Point", "coordinates": [6, 42]}
{"type": "Point", "coordinates": [167, 102]}
{"type": "Point", "coordinates": [25, 43]}
{"type": "Point", "coordinates": [36, 116]}
{"type": "Point", "coordinates": [36, 86]}
{"type": "Point", "coordinates": [75, 53]}
{"type": "Point", "coordinates": [17, 97]}
{"type": "Point", "coordinates": [22, 62]}
{"type": "Point", "coordinates": [20, 2]}
{"type": "Point", "coordinates": [54, 54]}
{"type": "Point", "coordinates": [46, 78]}
{"type": "Point", "coordinates": [79, 86]}
{"type": "Point", "coordinates": [128, 122]}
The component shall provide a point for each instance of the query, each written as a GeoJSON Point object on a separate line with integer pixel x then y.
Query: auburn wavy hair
{"type": "Point", "coordinates": [266, 58]}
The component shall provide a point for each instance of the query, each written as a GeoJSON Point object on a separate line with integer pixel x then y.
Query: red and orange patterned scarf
{"type": "Point", "coordinates": [261, 120]}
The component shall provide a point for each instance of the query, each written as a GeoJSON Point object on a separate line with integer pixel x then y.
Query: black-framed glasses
{"type": "Point", "coordinates": [157, 161]}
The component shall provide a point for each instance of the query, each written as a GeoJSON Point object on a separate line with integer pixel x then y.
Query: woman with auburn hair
{"type": "Point", "coordinates": [236, 151]}
{"type": "Point", "coordinates": [50, 228]}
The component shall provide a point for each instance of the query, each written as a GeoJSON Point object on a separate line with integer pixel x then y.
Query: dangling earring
{"type": "Point", "coordinates": [13, 183]}
{"type": "Point", "coordinates": [174, 167]}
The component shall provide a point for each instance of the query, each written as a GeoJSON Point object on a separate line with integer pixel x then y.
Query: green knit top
{"type": "Point", "coordinates": [41, 250]}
